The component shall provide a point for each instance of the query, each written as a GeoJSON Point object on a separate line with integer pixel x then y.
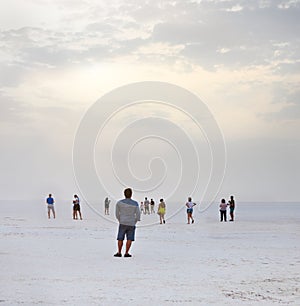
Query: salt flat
{"type": "Point", "coordinates": [252, 261]}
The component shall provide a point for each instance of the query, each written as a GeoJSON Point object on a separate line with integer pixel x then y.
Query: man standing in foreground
{"type": "Point", "coordinates": [128, 214]}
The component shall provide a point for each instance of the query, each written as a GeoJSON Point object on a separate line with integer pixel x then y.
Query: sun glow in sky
{"type": "Point", "coordinates": [241, 58]}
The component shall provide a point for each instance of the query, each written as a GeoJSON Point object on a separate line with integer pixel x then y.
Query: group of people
{"type": "Point", "coordinates": [128, 213]}
{"type": "Point", "coordinates": [76, 207]}
{"type": "Point", "coordinates": [223, 209]}
{"type": "Point", "coordinates": [147, 208]}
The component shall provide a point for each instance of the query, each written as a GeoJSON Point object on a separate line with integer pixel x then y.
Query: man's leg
{"type": "Point", "coordinates": [120, 238]}
{"type": "Point", "coordinates": [128, 245]}
{"type": "Point", "coordinates": [120, 245]}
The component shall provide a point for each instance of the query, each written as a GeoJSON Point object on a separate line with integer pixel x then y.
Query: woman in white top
{"type": "Point", "coordinates": [223, 210]}
{"type": "Point", "coordinates": [189, 210]}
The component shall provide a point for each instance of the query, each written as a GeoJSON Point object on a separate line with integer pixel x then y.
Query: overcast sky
{"type": "Point", "coordinates": [241, 58]}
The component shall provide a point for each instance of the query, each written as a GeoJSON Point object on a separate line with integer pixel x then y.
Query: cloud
{"type": "Point", "coordinates": [251, 34]}
{"type": "Point", "coordinates": [254, 35]}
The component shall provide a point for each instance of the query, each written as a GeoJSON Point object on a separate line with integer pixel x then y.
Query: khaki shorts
{"type": "Point", "coordinates": [51, 207]}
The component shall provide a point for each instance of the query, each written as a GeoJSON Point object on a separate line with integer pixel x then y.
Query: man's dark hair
{"type": "Point", "coordinates": [128, 193]}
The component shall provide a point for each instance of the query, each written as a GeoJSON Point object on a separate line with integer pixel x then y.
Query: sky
{"type": "Point", "coordinates": [240, 58]}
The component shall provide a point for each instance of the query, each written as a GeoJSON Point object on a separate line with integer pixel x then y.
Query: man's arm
{"type": "Point", "coordinates": [117, 211]}
{"type": "Point", "coordinates": [138, 214]}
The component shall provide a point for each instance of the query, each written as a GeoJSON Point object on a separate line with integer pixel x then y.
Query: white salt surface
{"type": "Point", "coordinates": [252, 261]}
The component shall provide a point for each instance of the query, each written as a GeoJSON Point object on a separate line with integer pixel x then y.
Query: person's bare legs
{"type": "Point", "coordinates": [128, 245]}
{"type": "Point", "coordinates": [80, 215]}
{"type": "Point", "coordinates": [190, 217]}
{"type": "Point", "coordinates": [120, 245]}
{"type": "Point", "coordinates": [48, 213]}
{"type": "Point", "coordinates": [53, 213]}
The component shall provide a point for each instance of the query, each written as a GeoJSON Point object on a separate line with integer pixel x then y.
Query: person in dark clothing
{"type": "Point", "coordinates": [231, 203]}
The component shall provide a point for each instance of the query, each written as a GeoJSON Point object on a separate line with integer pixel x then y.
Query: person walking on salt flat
{"type": "Point", "coordinates": [152, 203]}
{"type": "Point", "coordinates": [50, 205]}
{"type": "Point", "coordinates": [106, 206]}
{"type": "Point", "coordinates": [189, 204]}
{"type": "Point", "coordinates": [161, 211]}
{"type": "Point", "coordinates": [76, 208]}
{"type": "Point", "coordinates": [146, 205]}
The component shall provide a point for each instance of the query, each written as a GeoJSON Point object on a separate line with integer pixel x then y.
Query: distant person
{"type": "Point", "coordinates": [189, 204]}
{"type": "Point", "coordinates": [152, 203]}
{"type": "Point", "coordinates": [161, 211]}
{"type": "Point", "coordinates": [50, 203]}
{"type": "Point", "coordinates": [231, 203]}
{"type": "Point", "coordinates": [128, 214]}
{"type": "Point", "coordinates": [76, 208]}
{"type": "Point", "coordinates": [142, 208]}
{"type": "Point", "coordinates": [146, 205]}
{"type": "Point", "coordinates": [223, 210]}
{"type": "Point", "coordinates": [106, 206]}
